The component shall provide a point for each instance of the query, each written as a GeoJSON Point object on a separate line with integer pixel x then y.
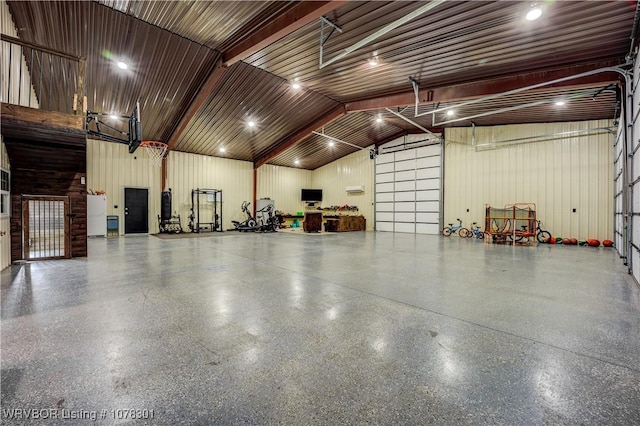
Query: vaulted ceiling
{"type": "Point", "coordinates": [202, 70]}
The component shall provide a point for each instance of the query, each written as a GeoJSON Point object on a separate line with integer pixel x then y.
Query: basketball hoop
{"type": "Point", "coordinates": [155, 151]}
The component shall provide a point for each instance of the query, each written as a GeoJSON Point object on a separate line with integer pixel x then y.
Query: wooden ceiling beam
{"type": "Point", "coordinates": [300, 135]}
{"type": "Point", "coordinates": [478, 89]}
{"type": "Point", "coordinates": [294, 18]}
{"type": "Point", "coordinates": [301, 14]}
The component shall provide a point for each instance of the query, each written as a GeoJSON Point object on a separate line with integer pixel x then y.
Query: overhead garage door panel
{"type": "Point", "coordinates": [428, 184]}
{"type": "Point", "coordinates": [428, 218]}
{"type": "Point", "coordinates": [414, 190]}
{"type": "Point", "coordinates": [432, 173]}
{"type": "Point", "coordinates": [384, 177]}
{"type": "Point", "coordinates": [384, 168]}
{"type": "Point", "coordinates": [423, 163]}
{"type": "Point", "coordinates": [405, 227]}
{"type": "Point", "coordinates": [385, 187]}
{"type": "Point", "coordinates": [405, 196]}
{"type": "Point", "coordinates": [405, 186]}
{"type": "Point", "coordinates": [405, 165]}
{"type": "Point", "coordinates": [432, 195]}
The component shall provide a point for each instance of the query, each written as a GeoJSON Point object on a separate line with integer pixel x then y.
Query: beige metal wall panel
{"type": "Point", "coordinates": [283, 185]}
{"type": "Point", "coordinates": [111, 168]}
{"type": "Point", "coordinates": [557, 175]}
{"type": "Point", "coordinates": [186, 172]}
{"type": "Point", "coordinates": [352, 170]}
{"type": "Point", "coordinates": [5, 238]}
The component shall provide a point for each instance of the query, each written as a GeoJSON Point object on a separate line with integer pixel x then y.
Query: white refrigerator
{"type": "Point", "coordinates": [96, 215]}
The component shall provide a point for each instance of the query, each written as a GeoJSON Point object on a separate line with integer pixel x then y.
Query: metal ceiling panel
{"type": "Point", "coordinates": [315, 151]}
{"type": "Point", "coordinates": [455, 42]}
{"type": "Point", "coordinates": [244, 94]}
{"type": "Point", "coordinates": [164, 69]}
{"type": "Point", "coordinates": [216, 24]}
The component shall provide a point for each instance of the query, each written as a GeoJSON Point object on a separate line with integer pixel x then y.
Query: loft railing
{"type": "Point", "coordinates": [38, 77]}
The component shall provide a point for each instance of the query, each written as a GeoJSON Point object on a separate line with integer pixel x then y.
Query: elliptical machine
{"type": "Point", "coordinates": [250, 223]}
{"type": "Point", "coordinates": [268, 222]}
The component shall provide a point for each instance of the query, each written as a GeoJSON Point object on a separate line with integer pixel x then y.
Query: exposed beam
{"type": "Point", "coordinates": [296, 17]}
{"type": "Point", "coordinates": [300, 135]}
{"type": "Point", "coordinates": [460, 92]}
{"type": "Point", "coordinates": [405, 133]}
{"type": "Point", "coordinates": [198, 101]}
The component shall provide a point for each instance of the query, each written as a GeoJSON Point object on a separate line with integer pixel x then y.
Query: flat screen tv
{"type": "Point", "coordinates": [312, 195]}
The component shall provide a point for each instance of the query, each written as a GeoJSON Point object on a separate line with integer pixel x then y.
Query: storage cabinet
{"type": "Point", "coordinates": [312, 222]}
{"type": "Point", "coordinates": [345, 223]}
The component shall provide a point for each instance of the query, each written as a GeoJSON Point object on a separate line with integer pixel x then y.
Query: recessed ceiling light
{"type": "Point", "coordinates": [450, 112]}
{"type": "Point", "coordinates": [559, 103]}
{"type": "Point", "coordinates": [296, 86]}
{"type": "Point", "coordinates": [534, 14]}
{"type": "Point", "coordinates": [296, 162]}
{"type": "Point", "coordinates": [332, 143]}
{"type": "Point", "coordinates": [373, 61]}
{"type": "Point", "coordinates": [222, 149]}
{"type": "Point", "coordinates": [251, 124]}
{"type": "Point", "coordinates": [122, 65]}
{"type": "Point", "coordinates": [378, 120]}
{"type": "Point", "coordinates": [113, 116]}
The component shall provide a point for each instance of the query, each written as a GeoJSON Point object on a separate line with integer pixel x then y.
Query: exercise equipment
{"type": "Point", "coordinates": [168, 223]}
{"type": "Point", "coordinates": [267, 220]}
{"type": "Point", "coordinates": [214, 202]}
{"type": "Point", "coordinates": [250, 223]}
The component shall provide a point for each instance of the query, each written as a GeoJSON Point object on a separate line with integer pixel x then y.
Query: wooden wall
{"type": "Point", "coordinates": [50, 182]}
{"type": "Point", "coordinates": [48, 156]}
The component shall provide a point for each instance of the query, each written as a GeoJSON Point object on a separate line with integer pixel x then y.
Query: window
{"type": "Point", "coordinates": [5, 195]}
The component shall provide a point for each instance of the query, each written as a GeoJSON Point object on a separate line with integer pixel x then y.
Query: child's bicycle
{"type": "Point", "coordinates": [541, 235]}
{"type": "Point", "coordinates": [475, 231]}
{"type": "Point", "coordinates": [463, 232]}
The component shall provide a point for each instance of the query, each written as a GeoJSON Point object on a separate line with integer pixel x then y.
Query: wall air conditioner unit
{"type": "Point", "coordinates": [355, 189]}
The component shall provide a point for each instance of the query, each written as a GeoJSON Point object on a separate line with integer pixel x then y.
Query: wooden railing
{"type": "Point", "coordinates": [38, 77]}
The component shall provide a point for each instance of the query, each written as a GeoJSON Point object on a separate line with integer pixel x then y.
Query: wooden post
{"type": "Point", "coordinates": [82, 62]}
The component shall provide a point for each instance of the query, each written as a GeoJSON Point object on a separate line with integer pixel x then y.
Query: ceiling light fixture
{"type": "Point", "coordinates": [113, 116]}
{"type": "Point", "coordinates": [296, 162]}
{"type": "Point", "coordinates": [379, 120]}
{"type": "Point", "coordinates": [559, 103]}
{"type": "Point", "coordinates": [332, 143]}
{"type": "Point", "coordinates": [222, 149]}
{"type": "Point", "coordinates": [534, 13]}
{"type": "Point", "coordinates": [450, 112]}
{"type": "Point", "coordinates": [296, 86]}
{"type": "Point", "coordinates": [122, 65]}
{"type": "Point", "coordinates": [373, 61]}
{"type": "Point", "coordinates": [251, 124]}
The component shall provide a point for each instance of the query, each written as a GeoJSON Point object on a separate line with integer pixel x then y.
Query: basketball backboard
{"type": "Point", "coordinates": [126, 129]}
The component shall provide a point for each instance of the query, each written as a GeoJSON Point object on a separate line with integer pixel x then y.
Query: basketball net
{"type": "Point", "coordinates": [155, 151]}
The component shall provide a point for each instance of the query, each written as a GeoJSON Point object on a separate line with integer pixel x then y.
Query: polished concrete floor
{"type": "Point", "coordinates": [347, 328]}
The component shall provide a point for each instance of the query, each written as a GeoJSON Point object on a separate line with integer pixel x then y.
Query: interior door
{"type": "Point", "coordinates": [136, 211]}
{"type": "Point", "coordinates": [46, 227]}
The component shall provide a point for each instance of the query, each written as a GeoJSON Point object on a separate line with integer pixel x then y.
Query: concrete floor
{"type": "Point", "coordinates": [343, 328]}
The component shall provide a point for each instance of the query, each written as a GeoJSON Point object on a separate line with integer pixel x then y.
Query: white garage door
{"type": "Point", "coordinates": [408, 190]}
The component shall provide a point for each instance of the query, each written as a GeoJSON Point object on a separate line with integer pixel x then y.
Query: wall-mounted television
{"type": "Point", "coordinates": [311, 195]}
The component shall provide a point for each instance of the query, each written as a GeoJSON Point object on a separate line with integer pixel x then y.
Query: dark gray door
{"type": "Point", "coordinates": [136, 211]}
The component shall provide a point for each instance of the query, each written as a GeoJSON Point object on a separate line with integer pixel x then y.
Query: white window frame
{"type": "Point", "coordinates": [5, 194]}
